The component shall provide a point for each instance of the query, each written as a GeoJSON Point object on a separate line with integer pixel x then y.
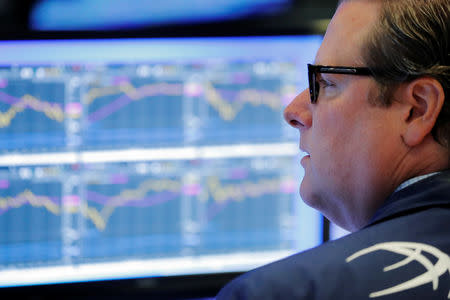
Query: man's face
{"type": "Point", "coordinates": [351, 142]}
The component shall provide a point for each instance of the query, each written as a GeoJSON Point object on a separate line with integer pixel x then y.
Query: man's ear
{"type": "Point", "coordinates": [424, 98]}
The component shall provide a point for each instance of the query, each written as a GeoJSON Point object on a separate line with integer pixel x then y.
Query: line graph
{"type": "Point", "coordinates": [238, 192]}
{"type": "Point", "coordinates": [130, 93]}
{"type": "Point", "coordinates": [227, 109]}
{"type": "Point", "coordinates": [28, 197]}
{"type": "Point", "coordinates": [53, 111]}
{"type": "Point", "coordinates": [149, 193]}
{"type": "Point", "coordinates": [114, 106]}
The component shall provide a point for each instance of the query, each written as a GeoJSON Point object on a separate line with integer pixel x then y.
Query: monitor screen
{"type": "Point", "coordinates": [131, 158]}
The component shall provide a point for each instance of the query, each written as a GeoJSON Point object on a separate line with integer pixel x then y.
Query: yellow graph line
{"type": "Point", "coordinates": [98, 218]}
{"type": "Point", "coordinates": [95, 93]}
{"type": "Point", "coordinates": [241, 191]}
{"type": "Point", "coordinates": [229, 110]}
{"type": "Point", "coordinates": [132, 195]}
{"type": "Point", "coordinates": [90, 213]}
{"type": "Point", "coordinates": [133, 92]}
{"type": "Point", "coordinates": [27, 197]}
{"type": "Point", "coordinates": [52, 111]}
{"type": "Point", "coordinates": [214, 189]}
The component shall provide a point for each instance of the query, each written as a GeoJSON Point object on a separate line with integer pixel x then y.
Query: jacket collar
{"type": "Point", "coordinates": [431, 191]}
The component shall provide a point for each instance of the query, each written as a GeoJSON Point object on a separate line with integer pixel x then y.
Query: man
{"type": "Point", "coordinates": [375, 123]}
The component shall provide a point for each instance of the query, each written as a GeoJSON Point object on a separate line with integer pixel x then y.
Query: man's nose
{"type": "Point", "coordinates": [298, 112]}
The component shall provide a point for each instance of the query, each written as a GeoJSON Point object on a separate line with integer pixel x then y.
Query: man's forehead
{"type": "Point", "coordinates": [345, 34]}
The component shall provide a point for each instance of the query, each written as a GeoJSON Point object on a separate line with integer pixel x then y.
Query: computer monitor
{"type": "Point", "coordinates": [149, 157]}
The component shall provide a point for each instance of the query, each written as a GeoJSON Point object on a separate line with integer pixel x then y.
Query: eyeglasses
{"type": "Point", "coordinates": [313, 70]}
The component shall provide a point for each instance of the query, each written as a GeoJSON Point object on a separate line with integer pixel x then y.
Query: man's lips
{"type": "Point", "coordinates": [305, 159]}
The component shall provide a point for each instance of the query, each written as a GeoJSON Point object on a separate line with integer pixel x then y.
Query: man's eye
{"type": "Point", "coordinates": [325, 83]}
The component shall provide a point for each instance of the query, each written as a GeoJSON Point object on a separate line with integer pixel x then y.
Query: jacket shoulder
{"type": "Point", "coordinates": [386, 259]}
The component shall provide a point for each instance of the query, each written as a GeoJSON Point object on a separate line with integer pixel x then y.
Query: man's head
{"type": "Point", "coordinates": [367, 134]}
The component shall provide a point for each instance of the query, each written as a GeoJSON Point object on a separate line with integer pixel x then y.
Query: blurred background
{"type": "Point", "coordinates": [166, 17]}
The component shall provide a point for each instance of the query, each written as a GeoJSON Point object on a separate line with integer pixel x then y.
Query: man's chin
{"type": "Point", "coordinates": [307, 195]}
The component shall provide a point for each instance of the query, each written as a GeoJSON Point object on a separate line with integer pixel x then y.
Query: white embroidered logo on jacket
{"type": "Point", "coordinates": [412, 251]}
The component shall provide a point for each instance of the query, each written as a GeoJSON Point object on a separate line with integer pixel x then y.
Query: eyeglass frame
{"type": "Point", "coordinates": [314, 69]}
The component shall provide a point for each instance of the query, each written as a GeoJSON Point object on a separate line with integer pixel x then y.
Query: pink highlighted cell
{"type": "Point", "coordinates": [193, 90]}
{"type": "Point", "coordinates": [4, 184]}
{"type": "Point", "coordinates": [3, 82]}
{"type": "Point", "coordinates": [71, 200]}
{"type": "Point", "coordinates": [74, 109]}
{"type": "Point", "coordinates": [192, 189]}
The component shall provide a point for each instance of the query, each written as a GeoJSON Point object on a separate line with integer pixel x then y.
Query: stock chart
{"type": "Point", "coordinates": [97, 107]}
{"type": "Point", "coordinates": [146, 209]}
{"type": "Point", "coordinates": [149, 160]}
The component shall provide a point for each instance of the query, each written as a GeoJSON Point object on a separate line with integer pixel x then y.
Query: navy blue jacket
{"type": "Point", "coordinates": [402, 254]}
